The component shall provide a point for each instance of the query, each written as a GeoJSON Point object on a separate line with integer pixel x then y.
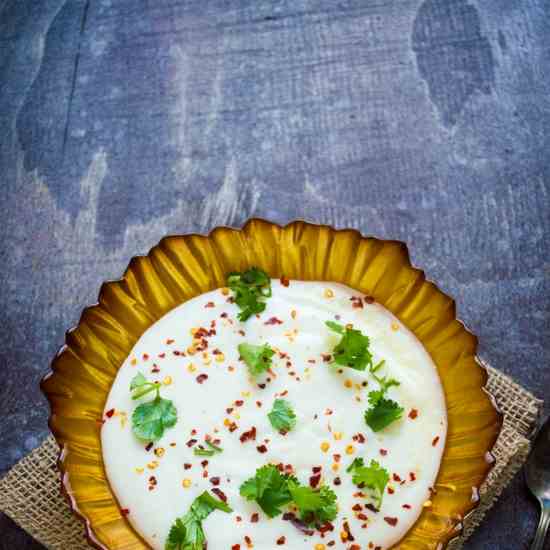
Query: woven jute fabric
{"type": "Point", "coordinates": [30, 493]}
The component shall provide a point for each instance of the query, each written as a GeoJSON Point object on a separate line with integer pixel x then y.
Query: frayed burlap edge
{"type": "Point", "coordinates": [30, 492]}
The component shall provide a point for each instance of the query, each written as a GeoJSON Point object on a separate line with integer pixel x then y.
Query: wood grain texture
{"type": "Point", "coordinates": [421, 120]}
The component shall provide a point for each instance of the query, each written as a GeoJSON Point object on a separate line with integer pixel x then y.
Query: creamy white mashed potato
{"type": "Point", "coordinates": [155, 484]}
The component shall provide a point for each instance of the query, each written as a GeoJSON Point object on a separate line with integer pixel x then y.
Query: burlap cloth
{"type": "Point", "coordinates": [30, 492]}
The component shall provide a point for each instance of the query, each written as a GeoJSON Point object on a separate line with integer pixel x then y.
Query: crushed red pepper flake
{"type": "Point", "coordinates": [220, 494]}
{"type": "Point", "coordinates": [255, 517]}
{"type": "Point", "coordinates": [162, 355]}
{"type": "Point", "coordinates": [239, 403]}
{"type": "Point", "coordinates": [368, 299]}
{"type": "Point", "coordinates": [357, 507]}
{"type": "Point", "coordinates": [209, 304]}
{"type": "Point", "coordinates": [238, 518]}
{"type": "Point", "coordinates": [215, 480]}
{"type": "Point", "coordinates": [349, 537]}
{"type": "Point", "coordinates": [273, 321]}
{"type": "Point", "coordinates": [233, 427]}
{"type": "Point", "coordinates": [383, 452]}
{"type": "Point", "coordinates": [124, 511]}
{"type": "Point", "coordinates": [261, 449]}
{"type": "Point", "coordinates": [326, 357]}
{"type": "Point", "coordinates": [229, 410]}
{"type": "Point", "coordinates": [337, 481]}
{"type": "Point", "coordinates": [236, 547]}
{"type": "Point", "coordinates": [435, 441]}
{"type": "Point", "coordinates": [149, 446]}
{"type": "Point", "coordinates": [204, 463]}
{"type": "Point", "coordinates": [391, 490]}
{"type": "Point", "coordinates": [201, 378]}
{"type": "Point", "coordinates": [336, 457]}
{"type": "Point", "coordinates": [356, 302]}
{"type": "Point", "coordinates": [413, 413]}
{"type": "Point", "coordinates": [110, 413]}
{"type": "Point", "coordinates": [191, 442]}
{"type": "Point", "coordinates": [396, 478]}
{"type": "Point", "coordinates": [259, 404]}
{"type": "Point", "coordinates": [390, 520]}
{"type": "Point", "coordinates": [281, 540]}
{"type": "Point", "coordinates": [285, 281]}
{"type": "Point", "coordinates": [248, 541]}
{"type": "Point", "coordinates": [248, 435]}
{"type": "Point", "coordinates": [145, 356]}
{"type": "Point", "coordinates": [314, 480]}
{"type": "Point", "coordinates": [187, 466]}
{"type": "Point", "coordinates": [406, 506]}
{"type": "Point", "coordinates": [412, 476]}
{"type": "Point", "coordinates": [359, 438]}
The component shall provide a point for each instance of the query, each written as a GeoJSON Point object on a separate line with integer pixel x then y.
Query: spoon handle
{"type": "Point", "coordinates": [540, 535]}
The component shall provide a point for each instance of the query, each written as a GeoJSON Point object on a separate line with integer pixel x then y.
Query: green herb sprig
{"type": "Point", "coordinates": [250, 289]}
{"type": "Point", "coordinates": [258, 359]}
{"type": "Point", "coordinates": [282, 417]}
{"type": "Point", "coordinates": [353, 349]}
{"type": "Point", "coordinates": [187, 532]}
{"type": "Point", "coordinates": [211, 451]}
{"type": "Point", "coordinates": [372, 477]}
{"type": "Point", "coordinates": [151, 419]}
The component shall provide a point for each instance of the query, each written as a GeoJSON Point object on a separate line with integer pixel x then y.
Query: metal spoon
{"type": "Point", "coordinates": [537, 476]}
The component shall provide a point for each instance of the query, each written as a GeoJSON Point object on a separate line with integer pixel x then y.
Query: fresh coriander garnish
{"type": "Point", "coordinates": [269, 488]}
{"type": "Point", "coordinates": [186, 532]}
{"type": "Point", "coordinates": [257, 358]}
{"type": "Point", "coordinates": [272, 490]}
{"type": "Point", "coordinates": [385, 382]}
{"type": "Point", "coordinates": [314, 505]}
{"type": "Point", "coordinates": [357, 463]}
{"type": "Point", "coordinates": [150, 419]}
{"type": "Point", "coordinates": [250, 288]}
{"type": "Point", "coordinates": [382, 411]}
{"type": "Point", "coordinates": [213, 449]}
{"type": "Point", "coordinates": [353, 349]}
{"type": "Point", "coordinates": [373, 477]}
{"type": "Point", "coordinates": [282, 417]}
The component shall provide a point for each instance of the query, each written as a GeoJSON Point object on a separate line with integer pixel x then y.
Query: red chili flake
{"type": "Point", "coordinates": [255, 517]}
{"type": "Point", "coordinates": [220, 493]}
{"type": "Point", "coordinates": [176, 352]}
{"type": "Point", "coordinates": [383, 452]}
{"type": "Point", "coordinates": [284, 280]}
{"type": "Point", "coordinates": [153, 480]}
{"type": "Point", "coordinates": [238, 518]}
{"type": "Point", "coordinates": [193, 431]}
{"type": "Point", "coordinates": [356, 302]}
{"type": "Point", "coordinates": [170, 341]}
{"type": "Point", "coordinates": [412, 476]}
{"type": "Point", "coordinates": [357, 507]}
{"type": "Point", "coordinates": [314, 480]}
{"type": "Point", "coordinates": [337, 481]}
{"type": "Point", "coordinates": [242, 332]}
{"type": "Point", "coordinates": [390, 521]}
{"type": "Point", "coordinates": [283, 393]}
{"type": "Point", "coordinates": [326, 357]}
{"type": "Point", "coordinates": [362, 517]}
{"type": "Point", "coordinates": [413, 413]}
{"type": "Point", "coordinates": [316, 469]}
{"type": "Point", "coordinates": [215, 480]}
{"type": "Point", "coordinates": [149, 446]}
{"type": "Point", "coordinates": [261, 386]}
{"type": "Point", "coordinates": [233, 426]}
{"type": "Point", "coordinates": [162, 355]}
{"type": "Point", "coordinates": [209, 304]}
{"type": "Point", "coordinates": [155, 368]}
{"type": "Point", "coordinates": [259, 403]}
{"type": "Point", "coordinates": [191, 442]}
{"type": "Point", "coordinates": [281, 540]}
{"type": "Point", "coordinates": [435, 441]}
{"type": "Point", "coordinates": [204, 463]}
{"type": "Point", "coordinates": [331, 543]}
{"type": "Point", "coordinates": [248, 541]}
{"type": "Point", "coordinates": [224, 315]}
{"type": "Point", "coordinates": [110, 413]}
{"type": "Point", "coordinates": [390, 490]}
{"type": "Point", "coordinates": [288, 364]}
{"type": "Point", "coordinates": [280, 467]}
{"type": "Point", "coordinates": [145, 356]}
{"type": "Point", "coordinates": [201, 378]}
{"type": "Point", "coordinates": [336, 457]}
{"type": "Point", "coordinates": [205, 474]}
{"type": "Point", "coordinates": [371, 507]}
{"type": "Point", "coordinates": [261, 449]}
{"type": "Point", "coordinates": [359, 438]}
{"type": "Point", "coordinates": [124, 511]}
{"type": "Point", "coordinates": [292, 373]}
{"type": "Point", "coordinates": [236, 547]}
{"type": "Point", "coordinates": [328, 412]}
{"type": "Point", "coordinates": [273, 321]}
{"type": "Point", "coordinates": [187, 466]}
{"type": "Point", "coordinates": [406, 506]}
{"type": "Point", "coordinates": [312, 361]}
{"type": "Point", "coordinates": [368, 299]}
{"type": "Point", "coordinates": [350, 537]}
{"type": "Point", "coordinates": [239, 403]}
{"type": "Point", "coordinates": [396, 478]}
{"type": "Point", "coordinates": [249, 435]}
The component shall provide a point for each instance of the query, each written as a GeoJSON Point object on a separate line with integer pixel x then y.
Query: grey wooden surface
{"type": "Point", "coordinates": [421, 120]}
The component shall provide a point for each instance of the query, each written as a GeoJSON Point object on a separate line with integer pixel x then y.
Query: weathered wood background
{"type": "Point", "coordinates": [421, 120]}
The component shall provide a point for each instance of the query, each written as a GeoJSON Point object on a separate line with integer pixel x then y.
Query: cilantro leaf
{"type": "Point", "coordinates": [269, 488]}
{"type": "Point", "coordinates": [314, 505]}
{"type": "Point", "coordinates": [257, 358]}
{"type": "Point", "coordinates": [150, 419]}
{"type": "Point", "coordinates": [282, 417]}
{"type": "Point", "coordinates": [373, 477]}
{"type": "Point", "coordinates": [250, 289]}
{"type": "Point", "coordinates": [186, 532]}
{"type": "Point", "coordinates": [353, 349]}
{"type": "Point", "coordinates": [382, 411]}
{"type": "Point", "coordinates": [385, 382]}
{"type": "Point", "coordinates": [211, 451]}
{"type": "Point", "coordinates": [357, 463]}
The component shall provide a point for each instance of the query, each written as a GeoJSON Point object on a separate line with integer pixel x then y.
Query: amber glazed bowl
{"type": "Point", "coordinates": [181, 267]}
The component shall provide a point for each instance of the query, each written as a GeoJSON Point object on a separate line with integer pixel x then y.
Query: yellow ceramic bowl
{"type": "Point", "coordinates": [181, 267]}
